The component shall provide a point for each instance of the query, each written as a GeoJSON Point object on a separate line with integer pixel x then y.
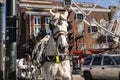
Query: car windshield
{"type": "Point", "coordinates": [117, 59]}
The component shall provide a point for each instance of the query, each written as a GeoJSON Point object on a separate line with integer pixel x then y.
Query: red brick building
{"type": "Point", "coordinates": [35, 16]}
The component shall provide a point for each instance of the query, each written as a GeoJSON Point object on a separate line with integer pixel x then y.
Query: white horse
{"type": "Point", "coordinates": [52, 51]}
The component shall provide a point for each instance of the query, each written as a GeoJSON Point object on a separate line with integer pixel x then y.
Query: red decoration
{"type": "Point", "coordinates": [78, 52]}
{"type": "Point", "coordinates": [97, 51]}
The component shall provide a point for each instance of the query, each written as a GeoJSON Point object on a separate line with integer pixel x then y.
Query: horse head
{"type": "Point", "coordinates": [58, 26]}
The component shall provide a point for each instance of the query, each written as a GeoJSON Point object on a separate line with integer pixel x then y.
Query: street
{"type": "Point", "coordinates": [77, 77]}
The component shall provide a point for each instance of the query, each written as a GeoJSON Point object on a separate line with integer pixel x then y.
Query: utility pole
{"type": "Point", "coordinates": [11, 44]}
{"type": "Point", "coordinates": [1, 38]}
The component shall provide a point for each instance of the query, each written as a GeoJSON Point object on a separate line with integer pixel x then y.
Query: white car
{"type": "Point", "coordinates": [102, 66]}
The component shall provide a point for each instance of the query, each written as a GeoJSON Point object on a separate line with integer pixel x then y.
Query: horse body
{"type": "Point", "coordinates": [55, 57]}
{"type": "Point", "coordinates": [52, 69]}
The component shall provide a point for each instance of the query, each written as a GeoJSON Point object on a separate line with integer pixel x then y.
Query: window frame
{"type": "Point", "coordinates": [83, 46]}
{"type": "Point", "coordinates": [90, 60]}
{"type": "Point", "coordinates": [93, 63]}
{"type": "Point", "coordinates": [113, 63]}
{"type": "Point", "coordinates": [79, 16]}
{"type": "Point", "coordinates": [37, 20]}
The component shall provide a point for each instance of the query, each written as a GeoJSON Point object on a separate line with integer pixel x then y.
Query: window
{"type": "Point", "coordinates": [67, 2]}
{"type": "Point", "coordinates": [105, 45]}
{"type": "Point", "coordinates": [96, 46]}
{"type": "Point", "coordinates": [109, 38]}
{"type": "Point", "coordinates": [107, 61]}
{"type": "Point", "coordinates": [117, 59]}
{"type": "Point", "coordinates": [95, 36]}
{"type": "Point", "coordinates": [81, 28]}
{"type": "Point", "coordinates": [47, 20]}
{"type": "Point", "coordinates": [37, 25]}
{"type": "Point", "coordinates": [87, 61]}
{"type": "Point", "coordinates": [97, 61]}
{"type": "Point", "coordinates": [117, 29]}
{"type": "Point", "coordinates": [37, 20]}
{"type": "Point", "coordinates": [82, 46]}
{"type": "Point", "coordinates": [103, 23]}
{"type": "Point", "coordinates": [92, 29]}
{"type": "Point", "coordinates": [36, 31]}
{"type": "Point", "coordinates": [79, 16]}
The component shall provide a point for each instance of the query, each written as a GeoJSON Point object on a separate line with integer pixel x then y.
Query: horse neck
{"type": "Point", "coordinates": [51, 47]}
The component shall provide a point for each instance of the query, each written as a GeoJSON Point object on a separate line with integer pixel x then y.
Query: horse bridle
{"type": "Point", "coordinates": [58, 33]}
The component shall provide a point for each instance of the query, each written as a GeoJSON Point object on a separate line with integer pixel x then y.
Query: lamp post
{"type": "Point", "coordinates": [1, 38]}
{"type": "Point", "coordinates": [11, 44]}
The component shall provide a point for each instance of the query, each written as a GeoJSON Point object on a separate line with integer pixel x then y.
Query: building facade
{"type": "Point", "coordinates": [34, 18]}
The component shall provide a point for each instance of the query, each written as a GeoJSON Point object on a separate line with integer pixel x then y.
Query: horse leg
{"type": "Point", "coordinates": [68, 78]}
{"type": "Point", "coordinates": [68, 73]}
{"type": "Point", "coordinates": [48, 77]}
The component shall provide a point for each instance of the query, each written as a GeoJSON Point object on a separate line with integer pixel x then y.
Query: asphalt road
{"type": "Point", "coordinates": [76, 76]}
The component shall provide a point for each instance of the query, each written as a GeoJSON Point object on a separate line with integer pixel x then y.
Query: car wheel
{"type": "Point", "coordinates": [119, 77]}
{"type": "Point", "coordinates": [87, 76]}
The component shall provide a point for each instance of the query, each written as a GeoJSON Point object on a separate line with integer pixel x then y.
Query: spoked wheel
{"type": "Point", "coordinates": [87, 76]}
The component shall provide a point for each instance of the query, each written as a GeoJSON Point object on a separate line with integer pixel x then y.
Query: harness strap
{"type": "Point", "coordinates": [58, 33]}
{"type": "Point", "coordinates": [53, 58]}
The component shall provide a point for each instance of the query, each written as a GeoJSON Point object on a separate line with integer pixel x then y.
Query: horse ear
{"type": "Point", "coordinates": [53, 14]}
{"type": "Point", "coordinates": [66, 14]}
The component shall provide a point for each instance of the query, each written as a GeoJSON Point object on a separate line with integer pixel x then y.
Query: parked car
{"type": "Point", "coordinates": [102, 66]}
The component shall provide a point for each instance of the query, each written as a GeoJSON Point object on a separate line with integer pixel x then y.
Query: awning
{"type": "Point", "coordinates": [77, 52]}
{"type": "Point", "coordinates": [97, 51]}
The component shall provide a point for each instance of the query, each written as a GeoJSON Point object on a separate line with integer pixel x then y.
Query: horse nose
{"type": "Point", "coordinates": [61, 48]}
